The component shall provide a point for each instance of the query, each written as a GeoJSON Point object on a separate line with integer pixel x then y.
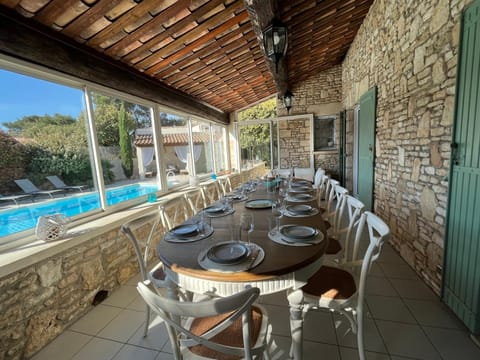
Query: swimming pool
{"type": "Point", "coordinates": [20, 219]}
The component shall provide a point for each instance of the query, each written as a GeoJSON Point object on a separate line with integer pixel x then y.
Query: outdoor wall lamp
{"type": "Point", "coordinates": [288, 100]}
{"type": "Point", "coordinates": [275, 41]}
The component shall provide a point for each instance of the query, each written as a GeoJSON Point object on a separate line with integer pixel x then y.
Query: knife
{"type": "Point", "coordinates": [254, 257]}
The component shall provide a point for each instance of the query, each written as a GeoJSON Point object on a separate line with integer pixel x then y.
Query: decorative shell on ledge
{"type": "Point", "coordinates": [51, 227]}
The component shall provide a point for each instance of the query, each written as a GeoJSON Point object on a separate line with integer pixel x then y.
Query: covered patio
{"type": "Point", "coordinates": [384, 97]}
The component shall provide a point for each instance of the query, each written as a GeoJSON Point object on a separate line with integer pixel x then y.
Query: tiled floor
{"type": "Point", "coordinates": [405, 321]}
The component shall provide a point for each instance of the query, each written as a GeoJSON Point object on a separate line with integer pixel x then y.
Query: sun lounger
{"type": "Point", "coordinates": [14, 198]}
{"type": "Point", "coordinates": [60, 185]}
{"type": "Point", "coordinates": [29, 188]}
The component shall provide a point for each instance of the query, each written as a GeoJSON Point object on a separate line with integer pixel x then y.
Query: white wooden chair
{"type": "Point", "coordinates": [195, 200]}
{"type": "Point", "coordinates": [218, 328]}
{"type": "Point", "coordinates": [225, 185]}
{"type": "Point", "coordinates": [173, 212]}
{"type": "Point", "coordinates": [156, 275]}
{"type": "Point", "coordinates": [212, 192]}
{"type": "Point", "coordinates": [344, 227]}
{"type": "Point", "coordinates": [336, 198]}
{"type": "Point", "coordinates": [317, 179]}
{"type": "Point", "coordinates": [340, 288]}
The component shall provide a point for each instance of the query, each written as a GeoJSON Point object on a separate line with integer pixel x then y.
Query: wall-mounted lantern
{"type": "Point", "coordinates": [275, 41]}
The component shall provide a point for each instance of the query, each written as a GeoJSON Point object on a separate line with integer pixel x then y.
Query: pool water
{"type": "Point", "coordinates": [20, 219]}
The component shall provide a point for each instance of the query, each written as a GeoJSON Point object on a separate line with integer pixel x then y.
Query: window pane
{"type": "Point", "coordinates": [219, 140]}
{"type": "Point", "coordinates": [202, 148]}
{"type": "Point", "coordinates": [123, 157]}
{"type": "Point", "coordinates": [43, 134]}
{"type": "Point", "coordinates": [176, 150]}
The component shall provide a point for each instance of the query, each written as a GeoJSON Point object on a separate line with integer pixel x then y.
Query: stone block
{"type": "Point", "coordinates": [428, 204]}
{"type": "Point", "coordinates": [50, 272]}
{"type": "Point", "coordinates": [41, 328]}
{"type": "Point", "coordinates": [441, 12]}
{"type": "Point", "coordinates": [435, 156]}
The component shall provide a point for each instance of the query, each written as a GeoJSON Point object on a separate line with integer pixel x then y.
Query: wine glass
{"type": "Point", "coordinates": [246, 224]}
{"type": "Point", "coordinates": [277, 213]}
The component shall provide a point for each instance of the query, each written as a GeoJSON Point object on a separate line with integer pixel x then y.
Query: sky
{"type": "Point", "coordinates": [22, 95]}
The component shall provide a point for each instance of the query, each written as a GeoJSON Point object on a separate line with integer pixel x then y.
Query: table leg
{"type": "Point", "coordinates": [295, 300]}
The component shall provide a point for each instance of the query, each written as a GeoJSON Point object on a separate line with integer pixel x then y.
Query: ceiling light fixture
{"type": "Point", "coordinates": [275, 41]}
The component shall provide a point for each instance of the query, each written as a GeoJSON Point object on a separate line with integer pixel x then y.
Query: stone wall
{"type": "Point", "coordinates": [408, 49]}
{"type": "Point", "coordinates": [39, 302]}
{"type": "Point", "coordinates": [294, 143]}
{"type": "Point", "coordinates": [327, 160]}
{"type": "Point", "coordinates": [320, 95]}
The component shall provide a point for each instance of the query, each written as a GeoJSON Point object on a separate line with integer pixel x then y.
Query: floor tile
{"type": "Point", "coordinates": [64, 346]}
{"type": "Point", "coordinates": [313, 351]}
{"type": "Point", "coordinates": [352, 354]}
{"type": "Point", "coordinates": [413, 289]}
{"type": "Point", "coordinates": [279, 347]}
{"type": "Point", "coordinates": [98, 349]}
{"type": "Point", "coordinates": [96, 319]}
{"type": "Point", "coordinates": [433, 313]}
{"type": "Point", "coordinates": [279, 298]}
{"type": "Point", "coordinates": [376, 270]}
{"type": "Point", "coordinates": [130, 352]}
{"type": "Point", "coordinates": [123, 326]}
{"type": "Point", "coordinates": [164, 356]}
{"type": "Point", "coordinates": [319, 327]}
{"type": "Point", "coordinates": [380, 286]}
{"type": "Point", "coordinates": [137, 304]}
{"type": "Point", "coordinates": [122, 296]}
{"type": "Point", "coordinates": [390, 255]}
{"type": "Point", "coordinates": [346, 338]}
{"type": "Point", "coordinates": [407, 340]}
{"type": "Point", "coordinates": [398, 270]}
{"type": "Point", "coordinates": [156, 338]}
{"type": "Point", "coordinates": [389, 308]}
{"type": "Point", "coordinates": [453, 344]}
{"type": "Point", "coordinates": [279, 318]}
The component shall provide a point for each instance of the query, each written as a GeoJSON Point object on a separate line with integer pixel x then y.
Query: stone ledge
{"type": "Point", "coordinates": [26, 255]}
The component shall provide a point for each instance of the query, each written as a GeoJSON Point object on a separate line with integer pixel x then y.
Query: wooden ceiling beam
{"type": "Point", "coordinates": [32, 43]}
{"type": "Point", "coordinates": [261, 14]}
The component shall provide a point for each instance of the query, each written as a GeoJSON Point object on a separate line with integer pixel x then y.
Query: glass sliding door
{"type": "Point", "coordinates": [255, 144]}
{"type": "Point", "coordinates": [220, 149]}
{"type": "Point", "coordinates": [202, 148]}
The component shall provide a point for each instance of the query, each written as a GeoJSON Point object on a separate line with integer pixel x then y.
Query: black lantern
{"type": "Point", "coordinates": [288, 100]}
{"type": "Point", "coordinates": [275, 41]}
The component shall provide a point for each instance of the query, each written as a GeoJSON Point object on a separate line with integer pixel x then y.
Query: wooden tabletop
{"type": "Point", "coordinates": [279, 259]}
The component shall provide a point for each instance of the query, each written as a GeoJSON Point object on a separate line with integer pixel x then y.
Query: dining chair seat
{"type": "Point", "coordinates": [331, 283]}
{"type": "Point", "coordinates": [333, 247]}
{"type": "Point", "coordinates": [231, 336]}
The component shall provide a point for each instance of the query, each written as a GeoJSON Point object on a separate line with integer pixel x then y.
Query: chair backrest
{"type": "Point", "coordinates": [330, 196]}
{"type": "Point", "coordinates": [56, 181]}
{"type": "Point", "coordinates": [27, 186]}
{"type": "Point", "coordinates": [378, 232]}
{"type": "Point", "coordinates": [225, 185]}
{"type": "Point", "coordinates": [173, 212]}
{"type": "Point", "coordinates": [317, 180]}
{"type": "Point", "coordinates": [339, 195]}
{"type": "Point", "coordinates": [233, 307]}
{"type": "Point", "coordinates": [195, 200]}
{"type": "Point", "coordinates": [212, 192]}
{"type": "Point", "coordinates": [348, 217]}
{"type": "Point", "coordinates": [128, 228]}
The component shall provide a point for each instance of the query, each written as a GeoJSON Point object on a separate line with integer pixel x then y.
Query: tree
{"type": "Point", "coordinates": [125, 144]}
{"type": "Point", "coordinates": [255, 139]}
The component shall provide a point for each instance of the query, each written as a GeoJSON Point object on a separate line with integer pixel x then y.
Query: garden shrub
{"type": "Point", "coordinates": [12, 163]}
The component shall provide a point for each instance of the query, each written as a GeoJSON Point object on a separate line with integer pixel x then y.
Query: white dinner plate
{"type": "Point", "coordinates": [228, 253]}
{"type": "Point", "coordinates": [299, 209]}
{"type": "Point", "coordinates": [298, 232]}
{"type": "Point", "coordinates": [185, 230]}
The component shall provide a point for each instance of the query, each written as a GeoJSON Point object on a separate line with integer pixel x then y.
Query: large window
{"type": "Point", "coordinates": [202, 148]}
{"type": "Point", "coordinates": [71, 148]}
{"type": "Point", "coordinates": [45, 160]}
{"type": "Point", "coordinates": [129, 171]}
{"type": "Point", "coordinates": [176, 148]}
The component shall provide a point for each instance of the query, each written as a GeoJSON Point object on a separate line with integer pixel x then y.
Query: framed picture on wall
{"type": "Point", "coordinates": [324, 132]}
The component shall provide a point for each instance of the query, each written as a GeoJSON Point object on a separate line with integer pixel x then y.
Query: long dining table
{"type": "Point", "coordinates": [283, 267]}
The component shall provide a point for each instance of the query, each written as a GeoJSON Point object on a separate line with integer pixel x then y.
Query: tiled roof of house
{"type": "Point", "coordinates": [146, 140]}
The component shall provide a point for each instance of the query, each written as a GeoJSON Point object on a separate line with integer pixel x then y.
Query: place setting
{"type": "Point", "coordinates": [234, 255]}
{"type": "Point", "coordinates": [299, 197]}
{"type": "Point", "coordinates": [259, 204]}
{"type": "Point", "coordinates": [295, 235]}
{"type": "Point", "coordinates": [190, 231]}
{"type": "Point", "coordinates": [300, 210]}
{"type": "Point", "coordinates": [219, 209]}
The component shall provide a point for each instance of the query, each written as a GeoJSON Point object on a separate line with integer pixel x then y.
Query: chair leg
{"type": "Point", "coordinates": [360, 339]}
{"type": "Point", "coordinates": [147, 322]}
{"type": "Point", "coordinates": [295, 300]}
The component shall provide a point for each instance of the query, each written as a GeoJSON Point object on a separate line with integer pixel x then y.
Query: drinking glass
{"type": "Point", "coordinates": [277, 214]}
{"type": "Point", "coordinates": [247, 225]}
